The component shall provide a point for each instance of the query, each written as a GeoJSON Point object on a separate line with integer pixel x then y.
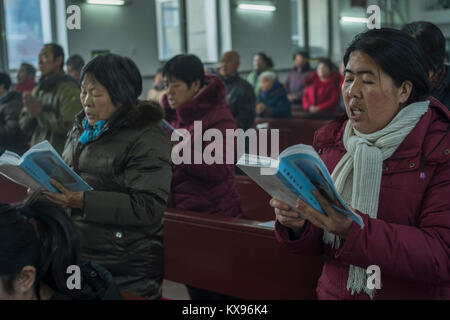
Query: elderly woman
{"type": "Point", "coordinates": [390, 161]}
{"type": "Point", "coordinates": [119, 148]}
{"type": "Point", "coordinates": [272, 101]}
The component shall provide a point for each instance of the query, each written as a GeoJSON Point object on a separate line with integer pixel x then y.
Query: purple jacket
{"type": "Point", "coordinates": [201, 187]}
{"type": "Point", "coordinates": [410, 239]}
{"type": "Point", "coordinates": [294, 83]}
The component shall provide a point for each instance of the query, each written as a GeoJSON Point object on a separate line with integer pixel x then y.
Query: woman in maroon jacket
{"type": "Point", "coordinates": [209, 188]}
{"type": "Point", "coordinates": [322, 88]}
{"type": "Point", "coordinates": [390, 161]}
{"type": "Point", "coordinates": [191, 96]}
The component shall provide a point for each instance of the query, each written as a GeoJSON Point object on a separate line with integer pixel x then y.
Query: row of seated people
{"type": "Point", "coordinates": [117, 145]}
{"type": "Point", "coordinates": [266, 96]}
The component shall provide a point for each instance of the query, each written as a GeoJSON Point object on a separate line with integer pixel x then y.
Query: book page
{"type": "Point", "coordinates": [17, 175]}
{"type": "Point", "coordinates": [42, 162]}
{"type": "Point", "coordinates": [272, 185]}
{"type": "Point", "coordinates": [9, 157]}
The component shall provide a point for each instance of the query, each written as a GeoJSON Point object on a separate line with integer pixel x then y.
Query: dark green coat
{"type": "Point", "coordinates": [11, 137]}
{"type": "Point", "coordinates": [60, 97]}
{"type": "Point", "coordinates": [129, 168]}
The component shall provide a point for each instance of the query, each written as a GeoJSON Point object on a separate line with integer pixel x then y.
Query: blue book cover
{"type": "Point", "coordinates": [295, 174]}
{"type": "Point", "coordinates": [35, 168]}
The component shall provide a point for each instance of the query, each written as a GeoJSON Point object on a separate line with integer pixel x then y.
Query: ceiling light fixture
{"type": "Point", "coordinates": [354, 20]}
{"type": "Point", "coordinates": [107, 2]}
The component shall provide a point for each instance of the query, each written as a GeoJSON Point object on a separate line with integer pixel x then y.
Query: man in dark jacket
{"type": "Point", "coordinates": [240, 94]}
{"type": "Point", "coordinates": [11, 137]}
{"type": "Point", "coordinates": [294, 83]}
{"type": "Point", "coordinates": [432, 41]}
{"type": "Point", "coordinates": [49, 111]}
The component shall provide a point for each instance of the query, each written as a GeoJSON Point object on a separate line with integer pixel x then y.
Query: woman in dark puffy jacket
{"type": "Point", "coordinates": [118, 147]}
{"type": "Point", "coordinates": [390, 161]}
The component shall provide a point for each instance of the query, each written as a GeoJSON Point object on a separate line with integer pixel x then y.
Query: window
{"type": "Point", "coordinates": [202, 29]}
{"type": "Point", "coordinates": [199, 36]}
{"type": "Point", "coordinates": [27, 26]}
{"type": "Point", "coordinates": [168, 14]}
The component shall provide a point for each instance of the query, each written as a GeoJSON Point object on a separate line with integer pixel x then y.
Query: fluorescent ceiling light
{"type": "Point", "coordinates": [354, 20]}
{"type": "Point", "coordinates": [107, 2]}
{"type": "Point", "coordinates": [257, 7]}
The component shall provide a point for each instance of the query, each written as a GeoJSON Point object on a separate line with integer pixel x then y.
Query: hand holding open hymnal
{"type": "Point", "coordinates": [298, 171]}
{"type": "Point", "coordinates": [37, 166]}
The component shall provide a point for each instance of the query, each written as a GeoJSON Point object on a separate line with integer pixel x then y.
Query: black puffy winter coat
{"type": "Point", "coordinates": [129, 168]}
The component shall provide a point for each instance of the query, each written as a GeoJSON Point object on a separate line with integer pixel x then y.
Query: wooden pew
{"type": "Point", "coordinates": [254, 200]}
{"type": "Point", "coordinates": [11, 192]}
{"type": "Point", "coordinates": [293, 131]}
{"type": "Point", "coordinates": [235, 257]}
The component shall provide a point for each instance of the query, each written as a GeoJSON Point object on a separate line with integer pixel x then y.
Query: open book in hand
{"type": "Point", "coordinates": [35, 168]}
{"type": "Point", "coordinates": [298, 171]}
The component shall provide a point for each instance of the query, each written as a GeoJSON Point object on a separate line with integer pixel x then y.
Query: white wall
{"type": "Point", "coordinates": [127, 30]}
{"type": "Point", "coordinates": [268, 32]}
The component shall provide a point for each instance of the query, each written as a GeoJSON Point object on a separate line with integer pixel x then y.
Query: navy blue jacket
{"type": "Point", "coordinates": [277, 103]}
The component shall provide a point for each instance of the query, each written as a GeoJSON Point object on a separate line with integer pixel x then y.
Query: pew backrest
{"type": "Point", "coordinates": [235, 257]}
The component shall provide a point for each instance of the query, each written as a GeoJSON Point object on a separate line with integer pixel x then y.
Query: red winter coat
{"type": "Point", "coordinates": [410, 239]}
{"type": "Point", "coordinates": [324, 94]}
{"type": "Point", "coordinates": [201, 187]}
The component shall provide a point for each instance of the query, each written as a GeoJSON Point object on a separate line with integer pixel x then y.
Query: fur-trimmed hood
{"type": "Point", "coordinates": [142, 114]}
{"type": "Point", "coordinates": [209, 99]}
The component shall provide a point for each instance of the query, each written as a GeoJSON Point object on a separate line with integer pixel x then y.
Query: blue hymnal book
{"type": "Point", "coordinates": [295, 174]}
{"type": "Point", "coordinates": [35, 168]}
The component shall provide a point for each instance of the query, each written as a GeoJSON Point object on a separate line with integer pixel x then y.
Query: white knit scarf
{"type": "Point", "coordinates": [357, 176]}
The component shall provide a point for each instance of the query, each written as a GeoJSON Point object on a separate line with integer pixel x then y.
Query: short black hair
{"type": "Point", "coordinates": [268, 61]}
{"type": "Point", "coordinates": [432, 41]}
{"type": "Point", "coordinates": [398, 55]}
{"type": "Point", "coordinates": [327, 62]}
{"type": "Point", "coordinates": [119, 75]}
{"type": "Point", "coordinates": [302, 53]}
{"type": "Point", "coordinates": [185, 67]}
{"type": "Point", "coordinates": [75, 61]}
{"type": "Point", "coordinates": [57, 51]}
{"type": "Point", "coordinates": [30, 69]}
{"type": "Point", "coordinates": [5, 80]}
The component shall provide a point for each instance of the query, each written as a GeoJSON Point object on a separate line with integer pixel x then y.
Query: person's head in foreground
{"type": "Point", "coordinates": [109, 82]}
{"type": "Point", "coordinates": [37, 244]}
{"type": "Point", "coordinates": [184, 77]}
{"type": "Point", "coordinates": [380, 80]}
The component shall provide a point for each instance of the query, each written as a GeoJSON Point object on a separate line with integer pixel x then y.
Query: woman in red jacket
{"type": "Point", "coordinates": [210, 188]}
{"type": "Point", "coordinates": [322, 88]}
{"type": "Point", "coordinates": [390, 161]}
{"type": "Point", "coordinates": [193, 97]}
